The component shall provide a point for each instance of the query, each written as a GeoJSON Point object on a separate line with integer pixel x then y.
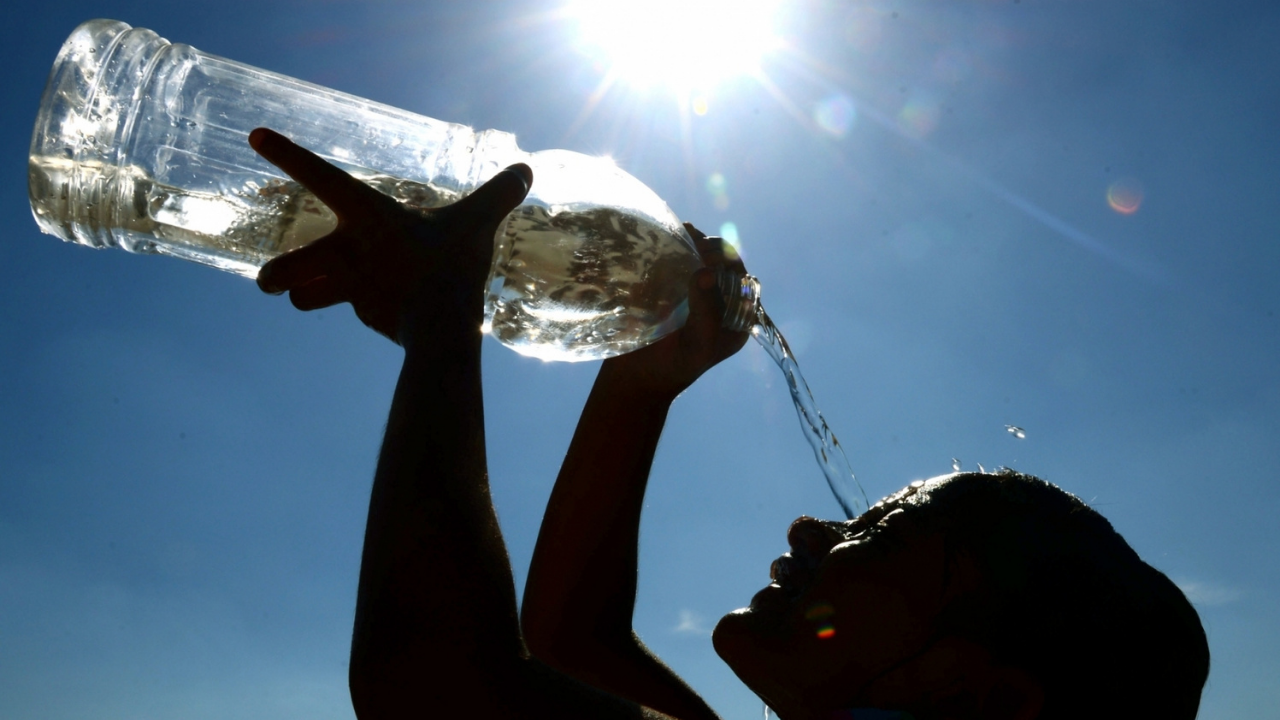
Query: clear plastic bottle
{"type": "Point", "coordinates": [141, 144]}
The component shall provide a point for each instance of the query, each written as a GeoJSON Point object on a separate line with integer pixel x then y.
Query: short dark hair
{"type": "Point", "coordinates": [1064, 597]}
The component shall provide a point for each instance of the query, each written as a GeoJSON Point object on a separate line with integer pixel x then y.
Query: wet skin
{"type": "Point", "coordinates": [852, 602]}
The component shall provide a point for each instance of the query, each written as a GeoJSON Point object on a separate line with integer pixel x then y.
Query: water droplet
{"type": "Point", "coordinates": [1016, 431]}
{"type": "Point", "coordinates": [981, 469]}
{"type": "Point", "coordinates": [955, 465]}
{"type": "Point", "coordinates": [917, 484]}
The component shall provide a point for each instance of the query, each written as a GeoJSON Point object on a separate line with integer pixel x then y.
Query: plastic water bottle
{"type": "Point", "coordinates": [141, 144]}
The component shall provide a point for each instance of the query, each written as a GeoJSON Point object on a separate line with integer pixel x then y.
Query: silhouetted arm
{"type": "Point", "coordinates": [580, 594]}
{"type": "Point", "coordinates": [436, 630]}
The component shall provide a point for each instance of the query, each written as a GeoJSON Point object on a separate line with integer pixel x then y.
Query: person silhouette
{"type": "Point", "coordinates": [994, 596]}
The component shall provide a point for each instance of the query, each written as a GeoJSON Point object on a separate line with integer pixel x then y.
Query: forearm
{"type": "Point", "coordinates": [436, 611]}
{"type": "Point", "coordinates": [582, 579]}
{"type": "Point", "coordinates": [580, 593]}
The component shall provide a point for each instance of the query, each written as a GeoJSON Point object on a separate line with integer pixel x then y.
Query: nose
{"type": "Point", "coordinates": [811, 539]}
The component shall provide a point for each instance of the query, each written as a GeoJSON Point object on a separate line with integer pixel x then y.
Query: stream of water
{"type": "Point", "coordinates": [826, 448]}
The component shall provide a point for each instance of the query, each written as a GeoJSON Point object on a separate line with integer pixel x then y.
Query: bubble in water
{"type": "Point", "coordinates": [1016, 431]}
{"type": "Point", "coordinates": [955, 464]}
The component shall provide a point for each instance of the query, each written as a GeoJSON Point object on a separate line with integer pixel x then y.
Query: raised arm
{"type": "Point", "coordinates": [436, 631]}
{"type": "Point", "coordinates": [581, 589]}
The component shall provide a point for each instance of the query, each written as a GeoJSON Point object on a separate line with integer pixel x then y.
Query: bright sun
{"type": "Point", "coordinates": [682, 44]}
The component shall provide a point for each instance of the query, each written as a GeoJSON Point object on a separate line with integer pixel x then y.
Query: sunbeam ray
{"type": "Point", "coordinates": [589, 107]}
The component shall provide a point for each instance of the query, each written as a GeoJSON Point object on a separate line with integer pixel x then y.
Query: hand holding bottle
{"type": "Point", "coordinates": [672, 364]}
{"type": "Point", "coordinates": [386, 259]}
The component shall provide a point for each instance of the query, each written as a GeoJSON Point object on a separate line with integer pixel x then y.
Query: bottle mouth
{"type": "Point", "coordinates": [84, 117]}
{"type": "Point", "coordinates": [741, 295]}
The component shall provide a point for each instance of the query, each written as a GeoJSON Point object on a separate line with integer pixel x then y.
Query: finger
{"type": "Point", "coordinates": [694, 232]}
{"type": "Point", "coordinates": [335, 188]}
{"type": "Point", "coordinates": [717, 251]}
{"type": "Point", "coordinates": [496, 198]}
{"type": "Point", "coordinates": [319, 293]}
{"type": "Point", "coordinates": [732, 259]}
{"type": "Point", "coordinates": [321, 258]}
{"type": "Point", "coordinates": [712, 249]}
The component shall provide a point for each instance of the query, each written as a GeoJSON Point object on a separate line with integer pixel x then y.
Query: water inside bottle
{"type": "Point", "coordinates": [584, 282]}
{"type": "Point", "coordinates": [826, 448]}
{"type": "Point", "coordinates": [570, 282]}
{"type": "Point", "coordinates": [236, 229]}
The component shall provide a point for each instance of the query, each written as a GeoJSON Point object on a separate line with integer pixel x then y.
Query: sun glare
{"type": "Point", "coordinates": [681, 44]}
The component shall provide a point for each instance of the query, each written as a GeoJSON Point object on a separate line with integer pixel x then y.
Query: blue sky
{"type": "Point", "coordinates": [922, 189]}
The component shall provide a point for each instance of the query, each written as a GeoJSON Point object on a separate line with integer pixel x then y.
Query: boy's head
{"type": "Point", "coordinates": [972, 593]}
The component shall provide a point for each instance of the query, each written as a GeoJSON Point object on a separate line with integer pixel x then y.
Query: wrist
{"type": "Point", "coordinates": [424, 325]}
{"type": "Point", "coordinates": [627, 375]}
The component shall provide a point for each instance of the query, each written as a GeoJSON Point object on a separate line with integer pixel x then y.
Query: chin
{"type": "Point", "coordinates": [729, 637]}
{"type": "Point", "coordinates": [745, 649]}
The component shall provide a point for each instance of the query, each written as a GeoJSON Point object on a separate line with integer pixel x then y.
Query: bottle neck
{"type": "Point", "coordinates": [741, 295]}
{"type": "Point", "coordinates": [489, 152]}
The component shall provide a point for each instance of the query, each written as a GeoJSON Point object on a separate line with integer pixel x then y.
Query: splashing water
{"type": "Point", "coordinates": [826, 448]}
{"type": "Point", "coordinates": [955, 464]}
{"type": "Point", "coordinates": [1016, 431]}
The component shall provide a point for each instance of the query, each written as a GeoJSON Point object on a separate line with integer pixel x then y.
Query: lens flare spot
{"type": "Point", "coordinates": [1125, 196]}
{"type": "Point", "coordinates": [819, 611]}
{"type": "Point", "coordinates": [826, 632]}
{"type": "Point", "coordinates": [699, 105]}
{"type": "Point", "coordinates": [729, 232]}
{"type": "Point", "coordinates": [835, 114]}
{"type": "Point", "coordinates": [952, 65]}
{"type": "Point", "coordinates": [718, 187]}
{"type": "Point", "coordinates": [919, 117]}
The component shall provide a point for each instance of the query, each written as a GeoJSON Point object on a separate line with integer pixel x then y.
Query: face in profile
{"type": "Point", "coordinates": [849, 602]}
{"type": "Point", "coordinates": [971, 595]}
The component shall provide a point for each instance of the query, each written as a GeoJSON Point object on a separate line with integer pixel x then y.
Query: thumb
{"type": "Point", "coordinates": [499, 196]}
